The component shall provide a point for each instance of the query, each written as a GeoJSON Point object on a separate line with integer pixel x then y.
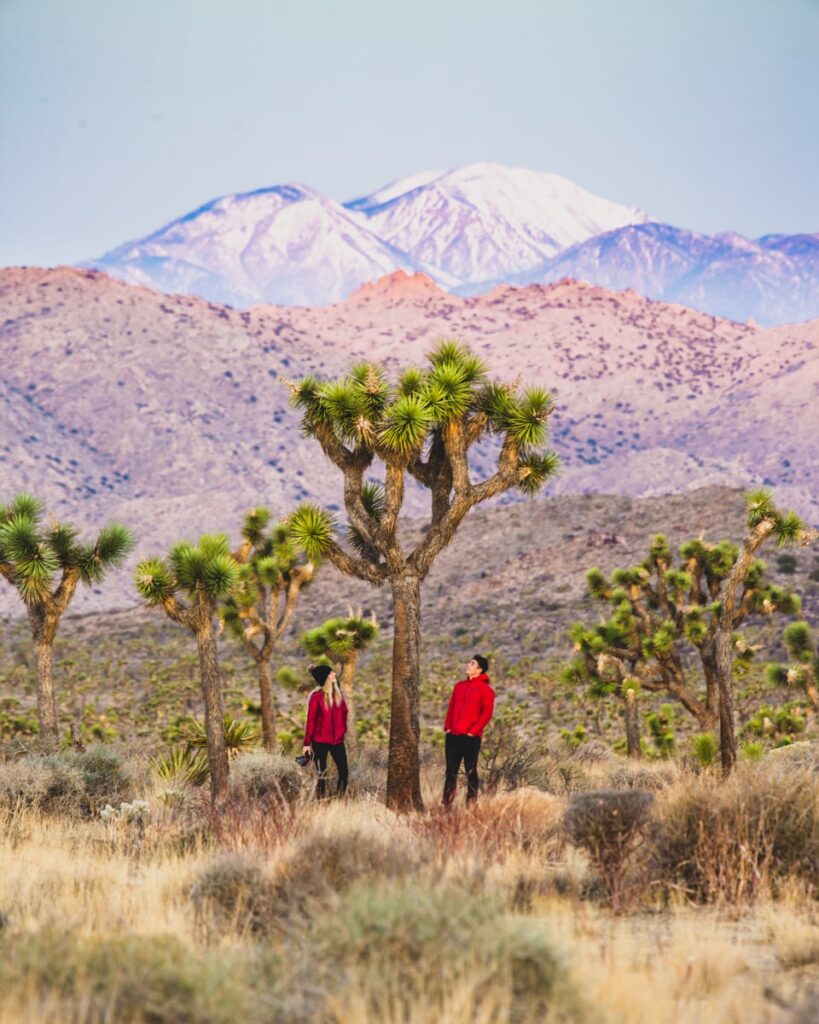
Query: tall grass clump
{"type": "Point", "coordinates": [731, 841]}
{"type": "Point", "coordinates": [71, 784]}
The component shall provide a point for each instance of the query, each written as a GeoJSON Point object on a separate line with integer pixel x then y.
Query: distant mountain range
{"type": "Point", "coordinates": [469, 229]}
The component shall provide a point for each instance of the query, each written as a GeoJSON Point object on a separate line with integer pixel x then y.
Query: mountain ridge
{"type": "Point", "coordinates": [469, 229]}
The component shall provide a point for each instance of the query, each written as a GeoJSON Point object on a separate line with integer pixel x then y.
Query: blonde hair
{"type": "Point", "coordinates": [332, 693]}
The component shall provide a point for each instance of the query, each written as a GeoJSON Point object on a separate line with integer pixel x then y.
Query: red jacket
{"type": "Point", "coordinates": [470, 706]}
{"type": "Point", "coordinates": [324, 725]}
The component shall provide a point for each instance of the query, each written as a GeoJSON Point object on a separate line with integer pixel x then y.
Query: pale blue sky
{"type": "Point", "coordinates": [119, 115]}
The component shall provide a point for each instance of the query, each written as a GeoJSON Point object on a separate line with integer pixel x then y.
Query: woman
{"type": "Point", "coordinates": [326, 726]}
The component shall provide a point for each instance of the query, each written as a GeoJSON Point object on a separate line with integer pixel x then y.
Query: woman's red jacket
{"type": "Point", "coordinates": [470, 706]}
{"type": "Point", "coordinates": [325, 724]}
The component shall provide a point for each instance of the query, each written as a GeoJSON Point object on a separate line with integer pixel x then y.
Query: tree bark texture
{"type": "Point", "coordinates": [214, 707]}
{"type": "Point", "coordinates": [347, 683]}
{"type": "Point", "coordinates": [403, 772]}
{"type": "Point", "coordinates": [267, 703]}
{"type": "Point", "coordinates": [708, 656]}
{"type": "Point", "coordinates": [44, 634]}
{"type": "Point", "coordinates": [725, 643]}
{"type": "Point", "coordinates": [632, 725]}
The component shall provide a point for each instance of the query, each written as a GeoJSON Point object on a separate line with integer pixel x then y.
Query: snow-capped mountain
{"type": "Point", "coordinates": [287, 245]}
{"type": "Point", "coordinates": [486, 221]}
{"type": "Point", "coordinates": [772, 280]}
{"type": "Point", "coordinates": [469, 230]}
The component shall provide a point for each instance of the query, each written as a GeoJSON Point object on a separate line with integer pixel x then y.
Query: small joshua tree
{"type": "Point", "coordinates": [260, 607]}
{"type": "Point", "coordinates": [342, 640]}
{"type": "Point", "coordinates": [659, 609]}
{"type": "Point", "coordinates": [204, 573]}
{"type": "Point", "coordinates": [422, 426]}
{"type": "Point", "coordinates": [44, 562]}
{"type": "Point", "coordinates": [803, 671]}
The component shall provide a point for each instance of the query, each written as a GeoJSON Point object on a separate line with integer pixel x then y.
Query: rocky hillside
{"type": "Point", "coordinates": [169, 412]}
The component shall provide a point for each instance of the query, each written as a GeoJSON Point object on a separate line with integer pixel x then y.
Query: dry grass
{"type": "Point", "coordinates": [343, 911]}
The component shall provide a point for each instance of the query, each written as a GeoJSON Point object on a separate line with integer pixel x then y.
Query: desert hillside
{"type": "Point", "coordinates": [170, 413]}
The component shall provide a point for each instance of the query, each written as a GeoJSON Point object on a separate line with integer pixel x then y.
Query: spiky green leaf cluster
{"type": "Point", "coordinates": [799, 641]}
{"type": "Point", "coordinates": [337, 638]}
{"type": "Point", "coordinates": [33, 552]}
{"type": "Point", "coordinates": [311, 529]}
{"type": "Point", "coordinates": [206, 567]}
{"type": "Point", "coordinates": [395, 422]}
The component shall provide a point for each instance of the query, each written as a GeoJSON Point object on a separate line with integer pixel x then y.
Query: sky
{"type": "Point", "coordinates": [118, 116]}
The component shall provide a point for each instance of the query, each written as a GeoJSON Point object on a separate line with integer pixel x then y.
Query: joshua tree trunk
{"type": "Point", "coordinates": [44, 629]}
{"type": "Point", "coordinates": [725, 642]}
{"type": "Point", "coordinates": [403, 778]}
{"type": "Point", "coordinates": [214, 707]}
{"type": "Point", "coordinates": [708, 656]}
{"type": "Point", "coordinates": [268, 704]}
{"type": "Point", "coordinates": [727, 733]}
{"type": "Point", "coordinates": [632, 726]}
{"type": "Point", "coordinates": [348, 689]}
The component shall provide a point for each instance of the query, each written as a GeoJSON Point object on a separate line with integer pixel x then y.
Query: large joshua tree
{"type": "Point", "coordinates": [259, 609]}
{"type": "Point", "coordinates": [44, 562]}
{"type": "Point", "coordinates": [421, 426]}
{"type": "Point", "coordinates": [342, 640]}
{"type": "Point", "coordinates": [660, 610]}
{"type": "Point", "coordinates": [188, 585]}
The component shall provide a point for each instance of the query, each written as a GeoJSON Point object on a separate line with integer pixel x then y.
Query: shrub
{"type": "Point", "coordinates": [233, 893]}
{"type": "Point", "coordinates": [106, 780]}
{"type": "Point", "coordinates": [270, 777]}
{"type": "Point", "coordinates": [322, 864]}
{"type": "Point", "coordinates": [610, 825]}
{"type": "Point", "coordinates": [119, 978]}
{"type": "Point", "coordinates": [732, 840]}
{"type": "Point", "coordinates": [437, 952]}
{"type": "Point", "coordinates": [69, 783]}
{"type": "Point", "coordinates": [50, 784]}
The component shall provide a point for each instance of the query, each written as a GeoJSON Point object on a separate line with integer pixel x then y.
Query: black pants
{"type": "Point", "coordinates": [457, 749]}
{"type": "Point", "coordinates": [338, 753]}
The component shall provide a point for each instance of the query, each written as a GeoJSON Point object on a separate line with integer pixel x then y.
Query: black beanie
{"type": "Point", "coordinates": [320, 673]}
{"type": "Point", "coordinates": [483, 662]}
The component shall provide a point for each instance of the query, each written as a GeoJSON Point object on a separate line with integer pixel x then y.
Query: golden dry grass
{"type": "Point", "coordinates": [74, 892]}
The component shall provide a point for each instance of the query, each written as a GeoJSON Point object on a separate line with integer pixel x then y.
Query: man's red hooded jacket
{"type": "Point", "coordinates": [470, 706]}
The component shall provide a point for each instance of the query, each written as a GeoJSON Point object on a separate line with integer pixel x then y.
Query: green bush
{"type": "Point", "coordinates": [411, 946]}
{"type": "Point", "coordinates": [122, 978]}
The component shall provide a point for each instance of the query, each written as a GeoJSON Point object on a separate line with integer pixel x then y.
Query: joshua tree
{"type": "Point", "coordinates": [804, 668]}
{"type": "Point", "coordinates": [659, 609]}
{"type": "Point", "coordinates": [343, 640]}
{"type": "Point", "coordinates": [204, 573]}
{"type": "Point", "coordinates": [423, 426]}
{"type": "Point", "coordinates": [44, 563]}
{"type": "Point", "coordinates": [260, 607]}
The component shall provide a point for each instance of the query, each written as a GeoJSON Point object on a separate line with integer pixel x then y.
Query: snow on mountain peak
{"type": "Point", "coordinates": [485, 221]}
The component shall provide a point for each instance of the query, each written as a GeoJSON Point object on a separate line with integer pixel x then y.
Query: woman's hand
{"type": "Point", "coordinates": [307, 750]}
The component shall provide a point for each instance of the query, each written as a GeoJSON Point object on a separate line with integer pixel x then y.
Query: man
{"type": "Point", "coordinates": [470, 709]}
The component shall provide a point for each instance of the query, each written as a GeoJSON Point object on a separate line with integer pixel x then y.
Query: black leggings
{"type": "Point", "coordinates": [338, 753]}
{"type": "Point", "coordinates": [457, 749]}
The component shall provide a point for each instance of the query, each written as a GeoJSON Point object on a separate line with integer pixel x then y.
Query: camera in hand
{"type": "Point", "coordinates": [303, 759]}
